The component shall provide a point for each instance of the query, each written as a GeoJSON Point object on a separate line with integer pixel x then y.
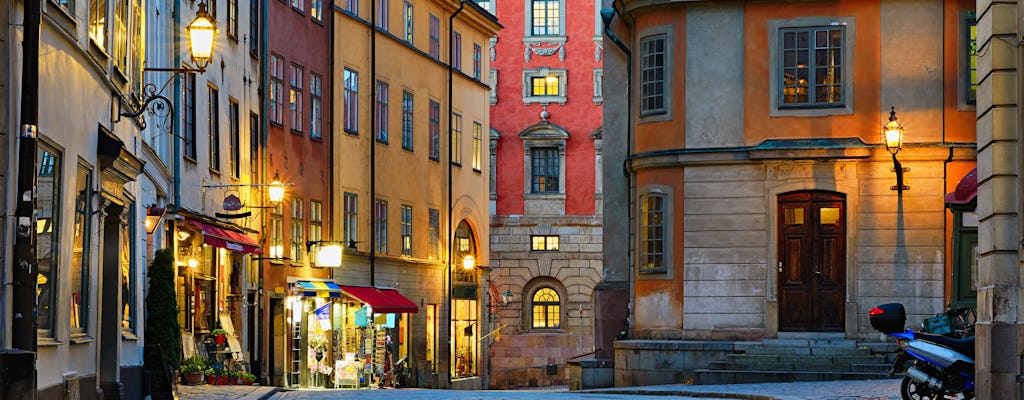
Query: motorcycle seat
{"type": "Point", "coordinates": [962, 346]}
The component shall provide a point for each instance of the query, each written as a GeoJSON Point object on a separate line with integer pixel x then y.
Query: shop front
{"type": "Point", "coordinates": [340, 336]}
{"type": "Point", "coordinates": [212, 260]}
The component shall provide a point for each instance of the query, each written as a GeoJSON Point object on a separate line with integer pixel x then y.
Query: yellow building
{"type": "Point", "coordinates": [401, 186]}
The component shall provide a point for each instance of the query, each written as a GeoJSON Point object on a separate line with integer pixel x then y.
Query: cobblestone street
{"type": "Point", "coordinates": [887, 389]}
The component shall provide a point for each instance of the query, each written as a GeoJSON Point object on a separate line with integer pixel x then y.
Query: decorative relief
{"type": "Point", "coordinates": [598, 49]}
{"type": "Point", "coordinates": [538, 49]}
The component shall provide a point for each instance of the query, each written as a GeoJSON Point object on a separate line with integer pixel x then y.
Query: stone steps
{"type": "Point", "coordinates": [798, 357]}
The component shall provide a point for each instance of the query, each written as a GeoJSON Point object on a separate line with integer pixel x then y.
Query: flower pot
{"type": "Point", "coordinates": [219, 339]}
{"type": "Point", "coordinates": [222, 380]}
{"type": "Point", "coordinates": [193, 378]}
{"type": "Point", "coordinates": [211, 379]}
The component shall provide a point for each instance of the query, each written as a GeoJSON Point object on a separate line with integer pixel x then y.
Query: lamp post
{"type": "Point", "coordinates": [892, 134]}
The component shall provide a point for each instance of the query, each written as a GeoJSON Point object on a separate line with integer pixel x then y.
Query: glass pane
{"type": "Point", "coordinates": [794, 216]}
{"type": "Point", "coordinates": [829, 215]}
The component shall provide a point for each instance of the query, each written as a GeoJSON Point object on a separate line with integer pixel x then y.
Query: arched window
{"type": "Point", "coordinates": [546, 309]}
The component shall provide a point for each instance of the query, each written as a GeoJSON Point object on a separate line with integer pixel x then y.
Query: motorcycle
{"type": "Point", "coordinates": [935, 366]}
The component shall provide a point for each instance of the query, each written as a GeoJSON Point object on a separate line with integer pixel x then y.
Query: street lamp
{"type": "Point", "coordinates": [892, 135]}
{"type": "Point", "coordinates": [468, 262]}
{"type": "Point", "coordinates": [276, 189]}
{"type": "Point", "coordinates": [153, 216]}
{"type": "Point", "coordinates": [328, 255]}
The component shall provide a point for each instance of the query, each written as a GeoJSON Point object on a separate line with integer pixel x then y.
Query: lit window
{"type": "Point", "coordinates": [406, 230]}
{"type": "Point", "coordinates": [812, 66]}
{"type": "Point", "coordinates": [276, 89]}
{"type": "Point", "coordinates": [547, 17]}
{"type": "Point", "coordinates": [652, 233]}
{"type": "Point", "coordinates": [295, 98]}
{"type": "Point", "coordinates": [546, 309]}
{"type": "Point", "coordinates": [544, 243]}
{"type": "Point", "coordinates": [408, 17]}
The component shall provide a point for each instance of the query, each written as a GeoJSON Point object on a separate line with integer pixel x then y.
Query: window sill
{"type": "Point", "coordinates": [296, 132]}
{"type": "Point", "coordinates": [47, 342]}
{"type": "Point", "coordinates": [544, 100]}
{"type": "Point", "coordinates": [128, 336]}
{"type": "Point", "coordinates": [81, 339]}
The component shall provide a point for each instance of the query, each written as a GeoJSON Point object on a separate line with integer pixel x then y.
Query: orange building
{"type": "Point", "coordinates": [762, 200]}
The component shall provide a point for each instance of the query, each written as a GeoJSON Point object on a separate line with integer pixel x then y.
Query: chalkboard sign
{"type": "Point", "coordinates": [161, 385]}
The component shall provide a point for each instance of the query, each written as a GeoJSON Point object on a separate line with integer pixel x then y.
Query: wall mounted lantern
{"type": "Point", "coordinates": [468, 263]}
{"type": "Point", "coordinates": [153, 216]}
{"type": "Point", "coordinates": [892, 134]}
{"type": "Point", "coordinates": [328, 253]}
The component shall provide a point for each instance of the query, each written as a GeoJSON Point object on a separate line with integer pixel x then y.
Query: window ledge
{"type": "Point", "coordinates": [48, 342]}
{"type": "Point", "coordinates": [81, 339]}
{"type": "Point", "coordinates": [128, 336]}
{"type": "Point", "coordinates": [544, 196]}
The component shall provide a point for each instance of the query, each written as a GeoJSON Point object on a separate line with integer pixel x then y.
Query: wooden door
{"type": "Point", "coordinates": [812, 261]}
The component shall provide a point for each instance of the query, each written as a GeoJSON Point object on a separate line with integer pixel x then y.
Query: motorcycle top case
{"type": "Point", "coordinates": [888, 318]}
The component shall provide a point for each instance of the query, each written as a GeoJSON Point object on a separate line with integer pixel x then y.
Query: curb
{"type": "Point", "coordinates": [706, 395]}
{"type": "Point", "coordinates": [268, 394]}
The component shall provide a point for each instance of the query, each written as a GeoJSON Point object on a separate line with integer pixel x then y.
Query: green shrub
{"type": "Point", "coordinates": [162, 309]}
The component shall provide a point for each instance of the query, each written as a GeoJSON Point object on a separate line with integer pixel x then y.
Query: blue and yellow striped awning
{"type": "Point", "coordinates": [318, 288]}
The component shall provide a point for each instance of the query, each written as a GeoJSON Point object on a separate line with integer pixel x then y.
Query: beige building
{"type": "Point", "coordinates": [414, 207]}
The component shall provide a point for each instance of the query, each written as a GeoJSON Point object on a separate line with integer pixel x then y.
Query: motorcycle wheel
{"type": "Point", "coordinates": [914, 390]}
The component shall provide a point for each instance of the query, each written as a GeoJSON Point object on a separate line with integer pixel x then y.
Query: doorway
{"type": "Point", "coordinates": [812, 261]}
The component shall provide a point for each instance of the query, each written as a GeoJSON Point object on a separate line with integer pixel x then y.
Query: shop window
{"type": "Point", "coordinates": [47, 234]}
{"type": "Point", "coordinates": [80, 252]}
{"type": "Point", "coordinates": [464, 331]}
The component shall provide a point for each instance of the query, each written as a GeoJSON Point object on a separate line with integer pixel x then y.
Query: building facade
{"type": "Point", "coordinates": [761, 198]}
{"type": "Point", "coordinates": [298, 125]}
{"type": "Point", "coordinates": [410, 182]}
{"type": "Point", "coordinates": [546, 199]}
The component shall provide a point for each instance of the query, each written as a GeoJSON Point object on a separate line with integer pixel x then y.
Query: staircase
{"type": "Point", "coordinates": [800, 357]}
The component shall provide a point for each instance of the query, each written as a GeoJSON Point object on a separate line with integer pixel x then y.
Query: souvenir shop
{"type": "Point", "coordinates": [345, 336]}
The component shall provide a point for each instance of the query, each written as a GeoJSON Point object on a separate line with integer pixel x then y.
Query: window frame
{"type": "Point", "coordinates": [531, 18]}
{"type": "Point", "coordinates": [456, 139]}
{"type": "Point", "coordinates": [316, 122]}
{"type": "Point", "coordinates": [351, 101]}
{"type": "Point", "coordinates": [350, 217]}
{"type": "Point", "coordinates": [968, 59]}
{"type": "Point", "coordinates": [381, 109]}
{"type": "Point", "coordinates": [652, 63]}
{"type": "Point", "coordinates": [81, 264]}
{"type": "Point", "coordinates": [540, 181]}
{"type": "Point", "coordinates": [316, 11]}
{"type": "Point", "coordinates": [546, 308]}
{"type": "Point", "coordinates": [409, 18]}
{"type": "Point", "coordinates": [298, 231]}
{"type": "Point", "coordinates": [477, 62]}
{"type": "Point", "coordinates": [407, 230]}
{"type": "Point", "coordinates": [213, 126]}
{"type": "Point", "coordinates": [664, 194]}
{"type": "Point", "coordinates": [276, 90]}
{"type": "Point", "coordinates": [529, 74]}
{"type": "Point", "coordinates": [315, 229]}
{"type": "Point", "coordinates": [380, 220]}
{"type": "Point", "coordinates": [382, 15]}
{"type": "Point", "coordinates": [49, 169]}
{"type": "Point", "coordinates": [477, 150]}
{"type": "Point", "coordinates": [234, 139]}
{"type": "Point", "coordinates": [296, 85]}
{"type": "Point", "coordinates": [232, 30]}
{"type": "Point", "coordinates": [546, 243]}
{"type": "Point", "coordinates": [434, 124]}
{"type": "Point", "coordinates": [188, 116]}
{"type": "Point", "coordinates": [457, 50]}
{"type": "Point", "coordinates": [775, 67]}
{"type": "Point", "coordinates": [435, 37]}
{"type": "Point", "coordinates": [811, 67]}
{"type": "Point", "coordinates": [408, 122]}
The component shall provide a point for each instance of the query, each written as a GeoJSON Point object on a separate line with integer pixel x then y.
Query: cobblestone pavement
{"type": "Point", "coordinates": [885, 389]}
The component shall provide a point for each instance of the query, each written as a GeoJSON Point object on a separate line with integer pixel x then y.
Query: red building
{"type": "Point", "coordinates": [296, 124]}
{"type": "Point", "coordinates": [546, 197]}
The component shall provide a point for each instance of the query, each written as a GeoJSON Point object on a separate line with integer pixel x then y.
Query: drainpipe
{"type": "Point", "coordinates": [451, 240]}
{"type": "Point", "coordinates": [373, 138]}
{"type": "Point", "coordinates": [24, 267]}
{"type": "Point", "coordinates": [607, 15]}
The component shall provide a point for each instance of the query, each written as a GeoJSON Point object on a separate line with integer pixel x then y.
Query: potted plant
{"type": "Point", "coordinates": [245, 378]}
{"type": "Point", "coordinates": [192, 370]}
{"type": "Point", "coordinates": [211, 376]}
{"type": "Point", "coordinates": [219, 336]}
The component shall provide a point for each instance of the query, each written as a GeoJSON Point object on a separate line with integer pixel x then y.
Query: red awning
{"type": "Point", "coordinates": [383, 300]}
{"type": "Point", "coordinates": [226, 238]}
{"type": "Point", "coordinates": [966, 190]}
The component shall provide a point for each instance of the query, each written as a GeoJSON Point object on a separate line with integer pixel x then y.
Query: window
{"type": "Point", "coordinates": [128, 270]}
{"type": "Point", "coordinates": [234, 140]}
{"type": "Point", "coordinates": [351, 217]}
{"type": "Point", "coordinates": [546, 309]}
{"type": "Point", "coordinates": [351, 101]}
{"type": "Point", "coordinates": [598, 85]}
{"type": "Point", "coordinates": [352, 6]}
{"type": "Point", "coordinates": [652, 74]}
{"type": "Point", "coordinates": [316, 10]}
{"type": "Point", "coordinates": [295, 98]}
{"type": "Point", "coordinates": [652, 233]}
{"type": "Point", "coordinates": [233, 19]}
{"type": "Point", "coordinates": [457, 51]}
{"type": "Point", "coordinates": [970, 57]}
{"type": "Point", "coordinates": [296, 5]}
{"type": "Point", "coordinates": [456, 150]}
{"type": "Point", "coordinates": [213, 127]}
{"type": "Point", "coordinates": [120, 49]}
{"type": "Point", "coordinates": [435, 36]}
{"type": "Point", "coordinates": [544, 85]}
{"type": "Point", "coordinates": [434, 239]}
{"type": "Point", "coordinates": [315, 228]}
{"type": "Point", "coordinates": [545, 170]}
{"type": "Point", "coordinates": [478, 131]}
{"type": "Point", "coordinates": [486, 5]}
{"type": "Point", "coordinates": [276, 90]}
{"type": "Point", "coordinates": [137, 41]}
{"type": "Point", "coordinates": [80, 252]}
{"type": "Point", "coordinates": [254, 27]}
{"type": "Point", "coordinates": [67, 5]}
{"type": "Point", "coordinates": [381, 110]}
{"type": "Point", "coordinates": [47, 234]}
{"type": "Point", "coordinates": [546, 16]}
{"type": "Point", "coordinates": [476, 61]}
{"type": "Point", "coordinates": [189, 116]}
{"type": "Point", "coordinates": [464, 330]}
{"type": "Point", "coordinates": [408, 17]}
{"type": "Point", "coordinates": [254, 142]}
{"type": "Point", "coordinates": [382, 14]}
{"type": "Point", "coordinates": [544, 243]}
{"type": "Point", "coordinates": [315, 106]}
{"type": "Point", "coordinates": [435, 130]}
{"type": "Point", "coordinates": [812, 66]}
{"type": "Point", "coordinates": [380, 220]}
{"type": "Point", "coordinates": [298, 232]}
{"type": "Point", "coordinates": [277, 232]}
{"type": "Point", "coordinates": [406, 230]}
{"type": "Point", "coordinates": [98, 22]}
{"type": "Point", "coordinates": [407, 122]}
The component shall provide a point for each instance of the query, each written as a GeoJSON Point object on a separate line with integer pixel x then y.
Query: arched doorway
{"type": "Point", "coordinates": [465, 304]}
